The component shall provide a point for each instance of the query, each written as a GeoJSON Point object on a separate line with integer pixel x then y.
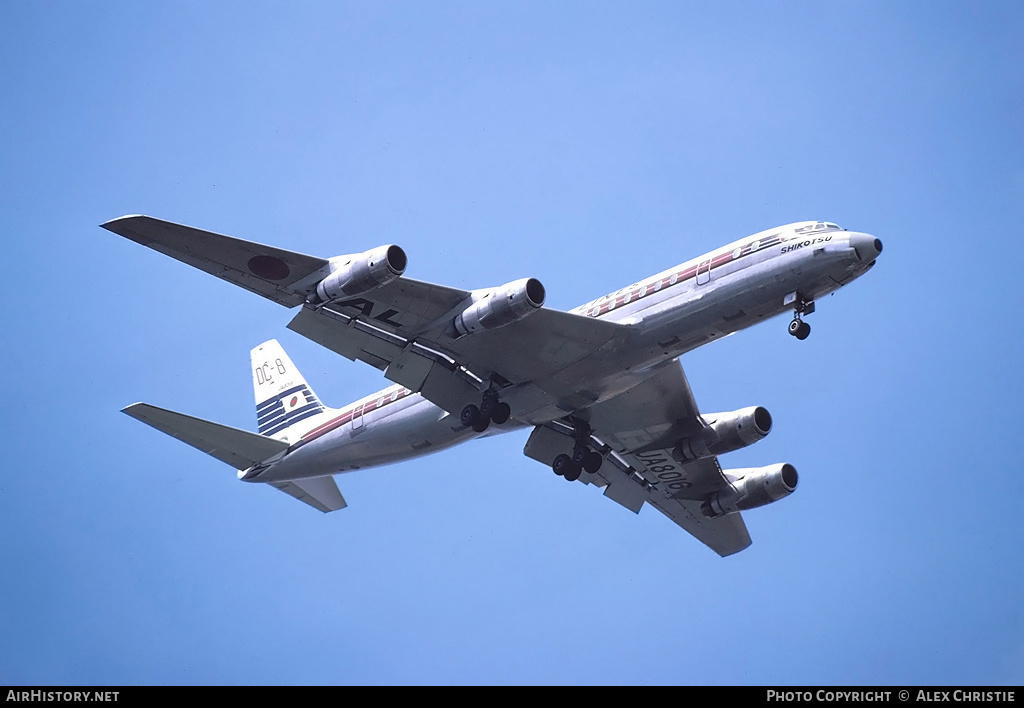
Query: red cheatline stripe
{"type": "Point", "coordinates": [681, 276]}
{"type": "Point", "coordinates": [347, 414]}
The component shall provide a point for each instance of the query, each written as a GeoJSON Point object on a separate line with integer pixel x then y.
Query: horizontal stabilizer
{"type": "Point", "coordinates": [321, 493]}
{"type": "Point", "coordinates": [238, 448]}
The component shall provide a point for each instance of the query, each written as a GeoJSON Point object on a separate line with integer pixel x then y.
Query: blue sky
{"type": "Point", "coordinates": [588, 145]}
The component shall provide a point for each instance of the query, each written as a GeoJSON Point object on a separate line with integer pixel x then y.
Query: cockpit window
{"type": "Point", "coordinates": [819, 226]}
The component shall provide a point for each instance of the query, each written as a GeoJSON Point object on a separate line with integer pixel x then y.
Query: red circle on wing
{"type": "Point", "coordinates": [268, 267]}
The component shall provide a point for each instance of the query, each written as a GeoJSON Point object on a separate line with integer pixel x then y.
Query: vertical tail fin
{"type": "Point", "coordinates": [283, 398]}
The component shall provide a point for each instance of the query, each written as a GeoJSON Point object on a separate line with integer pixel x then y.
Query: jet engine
{"type": "Point", "coordinates": [751, 487]}
{"type": "Point", "coordinates": [725, 433]}
{"type": "Point", "coordinates": [501, 306]}
{"type": "Point", "coordinates": [361, 273]}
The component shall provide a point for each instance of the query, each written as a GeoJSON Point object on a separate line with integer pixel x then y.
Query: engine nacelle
{"type": "Point", "coordinates": [751, 488]}
{"type": "Point", "coordinates": [362, 273]}
{"type": "Point", "coordinates": [725, 433]}
{"type": "Point", "coordinates": [501, 306]}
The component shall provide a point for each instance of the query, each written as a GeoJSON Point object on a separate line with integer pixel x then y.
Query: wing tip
{"type": "Point", "coordinates": [114, 224]}
{"type": "Point", "coordinates": [733, 550]}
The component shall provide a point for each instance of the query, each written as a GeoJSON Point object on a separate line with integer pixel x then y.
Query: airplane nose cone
{"type": "Point", "coordinates": [867, 246]}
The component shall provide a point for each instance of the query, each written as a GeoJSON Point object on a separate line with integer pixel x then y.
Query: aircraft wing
{"type": "Point", "coordinates": [725, 535]}
{"type": "Point", "coordinates": [404, 326]}
{"type": "Point", "coordinates": [286, 277]}
{"type": "Point", "coordinates": [647, 421]}
{"type": "Point", "coordinates": [641, 426]}
{"type": "Point", "coordinates": [531, 354]}
{"type": "Point", "coordinates": [282, 276]}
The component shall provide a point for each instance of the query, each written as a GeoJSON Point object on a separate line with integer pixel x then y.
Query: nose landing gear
{"type": "Point", "coordinates": [801, 306]}
{"type": "Point", "coordinates": [799, 329]}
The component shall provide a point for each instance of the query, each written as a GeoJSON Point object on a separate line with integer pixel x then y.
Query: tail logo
{"type": "Point", "coordinates": [282, 396]}
{"type": "Point", "coordinates": [280, 412]}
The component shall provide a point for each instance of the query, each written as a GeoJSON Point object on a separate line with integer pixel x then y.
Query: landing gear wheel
{"type": "Point", "coordinates": [473, 418]}
{"type": "Point", "coordinates": [488, 405]}
{"type": "Point", "coordinates": [494, 410]}
{"type": "Point", "coordinates": [562, 465]}
{"type": "Point", "coordinates": [502, 412]}
{"type": "Point", "coordinates": [573, 474]}
{"type": "Point", "coordinates": [469, 414]}
{"type": "Point", "coordinates": [586, 460]}
{"type": "Point", "coordinates": [803, 305]}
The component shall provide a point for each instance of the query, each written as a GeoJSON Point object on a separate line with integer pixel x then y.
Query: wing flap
{"type": "Point", "coordinates": [348, 336]}
{"type": "Point", "coordinates": [239, 448]}
{"type": "Point", "coordinates": [417, 304]}
{"type": "Point", "coordinates": [659, 409]}
{"type": "Point", "coordinates": [404, 306]}
{"type": "Point", "coordinates": [526, 354]}
{"type": "Point", "coordinates": [418, 369]}
{"type": "Point", "coordinates": [535, 348]}
{"type": "Point", "coordinates": [321, 493]}
{"type": "Point", "coordinates": [641, 426]}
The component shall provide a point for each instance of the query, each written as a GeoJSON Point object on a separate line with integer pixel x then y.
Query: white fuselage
{"type": "Point", "coordinates": [667, 315]}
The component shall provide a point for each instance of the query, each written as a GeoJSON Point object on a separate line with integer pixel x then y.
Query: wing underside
{"type": "Point", "coordinates": [639, 468]}
{"type": "Point", "coordinates": [529, 357]}
{"type": "Point", "coordinates": [405, 326]}
{"type": "Point", "coordinates": [283, 276]}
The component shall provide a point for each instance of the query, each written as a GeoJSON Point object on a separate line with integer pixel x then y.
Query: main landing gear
{"type": "Point", "coordinates": [802, 306]}
{"type": "Point", "coordinates": [490, 410]}
{"type": "Point", "coordinates": [583, 459]}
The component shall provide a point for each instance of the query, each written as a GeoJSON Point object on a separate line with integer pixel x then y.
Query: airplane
{"type": "Point", "coordinates": [599, 387]}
